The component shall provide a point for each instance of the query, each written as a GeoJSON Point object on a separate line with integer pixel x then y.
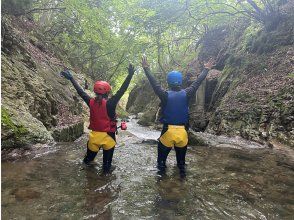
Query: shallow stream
{"type": "Point", "coordinates": [221, 183]}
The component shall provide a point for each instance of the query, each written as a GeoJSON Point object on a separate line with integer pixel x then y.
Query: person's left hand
{"type": "Point", "coordinates": [131, 69]}
{"type": "Point", "coordinates": [209, 64]}
{"type": "Point", "coordinates": [67, 74]}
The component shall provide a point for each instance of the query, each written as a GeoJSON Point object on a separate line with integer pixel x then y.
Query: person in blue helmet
{"type": "Point", "coordinates": [175, 113]}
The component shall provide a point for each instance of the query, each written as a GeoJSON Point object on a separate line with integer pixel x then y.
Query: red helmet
{"type": "Point", "coordinates": [102, 87]}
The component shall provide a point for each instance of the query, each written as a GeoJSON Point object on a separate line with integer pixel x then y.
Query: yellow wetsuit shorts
{"type": "Point", "coordinates": [98, 139]}
{"type": "Point", "coordinates": [175, 136]}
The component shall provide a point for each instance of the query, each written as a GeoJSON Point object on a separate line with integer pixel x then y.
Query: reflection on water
{"type": "Point", "coordinates": [221, 183]}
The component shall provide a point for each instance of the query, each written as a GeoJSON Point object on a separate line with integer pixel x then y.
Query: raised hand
{"type": "Point", "coordinates": [145, 63]}
{"type": "Point", "coordinates": [209, 64]}
{"type": "Point", "coordinates": [131, 69]}
{"type": "Point", "coordinates": [66, 74]}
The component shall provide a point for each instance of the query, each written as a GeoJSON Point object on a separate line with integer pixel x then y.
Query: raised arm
{"type": "Point", "coordinates": [155, 85]}
{"type": "Point", "coordinates": [79, 89]}
{"type": "Point", "coordinates": [191, 90]}
{"type": "Point", "coordinates": [115, 99]}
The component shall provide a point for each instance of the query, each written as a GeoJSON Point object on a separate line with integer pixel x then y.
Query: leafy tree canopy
{"type": "Point", "coordinates": [102, 36]}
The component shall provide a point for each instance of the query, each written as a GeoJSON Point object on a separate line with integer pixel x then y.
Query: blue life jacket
{"type": "Point", "coordinates": [176, 111]}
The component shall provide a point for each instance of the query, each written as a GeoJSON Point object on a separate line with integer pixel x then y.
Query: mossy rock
{"type": "Point", "coordinates": [148, 117]}
{"type": "Point", "coordinates": [12, 134]}
{"type": "Point", "coordinates": [20, 130]}
{"type": "Point", "coordinates": [6, 121]}
{"type": "Point", "coordinates": [196, 140]}
{"type": "Point", "coordinates": [68, 133]}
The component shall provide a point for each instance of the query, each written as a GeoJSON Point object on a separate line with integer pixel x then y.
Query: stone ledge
{"type": "Point", "coordinates": [68, 133]}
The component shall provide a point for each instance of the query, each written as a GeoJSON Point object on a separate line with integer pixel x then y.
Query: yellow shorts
{"type": "Point", "coordinates": [99, 139]}
{"type": "Point", "coordinates": [175, 136]}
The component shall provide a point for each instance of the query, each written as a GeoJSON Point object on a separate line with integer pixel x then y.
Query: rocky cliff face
{"type": "Point", "coordinates": [253, 97]}
{"type": "Point", "coordinates": [35, 99]}
{"type": "Point", "coordinates": [143, 100]}
{"type": "Point", "coordinates": [251, 94]}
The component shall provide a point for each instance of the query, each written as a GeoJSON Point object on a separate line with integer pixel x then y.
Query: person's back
{"type": "Point", "coordinates": [175, 114]}
{"type": "Point", "coordinates": [176, 110]}
{"type": "Point", "coordinates": [103, 123]}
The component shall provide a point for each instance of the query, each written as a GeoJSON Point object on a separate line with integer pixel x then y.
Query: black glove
{"type": "Point", "coordinates": [131, 69]}
{"type": "Point", "coordinates": [66, 74]}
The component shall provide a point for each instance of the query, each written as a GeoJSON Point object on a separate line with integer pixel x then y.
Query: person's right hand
{"type": "Point", "coordinates": [145, 63]}
{"type": "Point", "coordinates": [66, 74]}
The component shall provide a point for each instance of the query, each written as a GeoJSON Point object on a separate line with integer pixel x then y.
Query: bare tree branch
{"type": "Point", "coordinates": [37, 10]}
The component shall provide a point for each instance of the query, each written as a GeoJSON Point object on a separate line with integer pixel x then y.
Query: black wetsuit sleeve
{"type": "Point", "coordinates": [191, 90]}
{"type": "Point", "coordinates": [159, 91]}
{"type": "Point", "coordinates": [81, 92]}
{"type": "Point", "coordinates": [112, 102]}
{"type": "Point", "coordinates": [115, 99]}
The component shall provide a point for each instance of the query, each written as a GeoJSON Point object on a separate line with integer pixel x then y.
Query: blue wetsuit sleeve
{"type": "Point", "coordinates": [81, 92]}
{"type": "Point", "coordinates": [191, 90]}
{"type": "Point", "coordinates": [159, 91]}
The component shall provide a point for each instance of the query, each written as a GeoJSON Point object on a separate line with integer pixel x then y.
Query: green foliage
{"type": "Point", "coordinates": [102, 37]}
{"type": "Point", "coordinates": [6, 121]}
{"type": "Point", "coordinates": [249, 36]}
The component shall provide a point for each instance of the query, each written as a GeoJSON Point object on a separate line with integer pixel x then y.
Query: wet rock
{"type": "Point", "coordinates": [148, 117]}
{"type": "Point", "coordinates": [149, 141]}
{"type": "Point", "coordinates": [139, 115]}
{"type": "Point", "coordinates": [23, 194]}
{"type": "Point", "coordinates": [196, 139]}
{"type": "Point", "coordinates": [141, 98]}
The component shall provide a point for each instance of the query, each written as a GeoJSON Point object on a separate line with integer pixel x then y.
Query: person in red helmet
{"type": "Point", "coordinates": [103, 123]}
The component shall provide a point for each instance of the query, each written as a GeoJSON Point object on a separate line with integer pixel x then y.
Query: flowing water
{"type": "Point", "coordinates": [221, 183]}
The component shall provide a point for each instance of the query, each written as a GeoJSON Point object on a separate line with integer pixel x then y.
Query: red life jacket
{"type": "Point", "coordinates": [99, 119]}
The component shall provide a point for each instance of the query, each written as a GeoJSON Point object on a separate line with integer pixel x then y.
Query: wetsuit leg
{"type": "Point", "coordinates": [107, 159]}
{"type": "Point", "coordinates": [90, 156]}
{"type": "Point", "coordinates": [181, 155]}
{"type": "Point", "coordinates": [163, 152]}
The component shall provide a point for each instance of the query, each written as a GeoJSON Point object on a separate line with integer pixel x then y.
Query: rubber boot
{"type": "Point", "coordinates": [181, 155]}
{"type": "Point", "coordinates": [163, 152]}
{"type": "Point", "coordinates": [89, 157]}
{"type": "Point", "coordinates": [107, 160]}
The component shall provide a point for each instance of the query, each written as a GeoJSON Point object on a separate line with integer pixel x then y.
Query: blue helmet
{"type": "Point", "coordinates": [174, 78]}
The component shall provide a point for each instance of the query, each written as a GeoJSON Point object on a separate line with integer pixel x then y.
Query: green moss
{"type": "Point", "coordinates": [245, 97]}
{"type": "Point", "coordinates": [5, 119]}
{"type": "Point", "coordinates": [18, 130]}
{"type": "Point", "coordinates": [250, 34]}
